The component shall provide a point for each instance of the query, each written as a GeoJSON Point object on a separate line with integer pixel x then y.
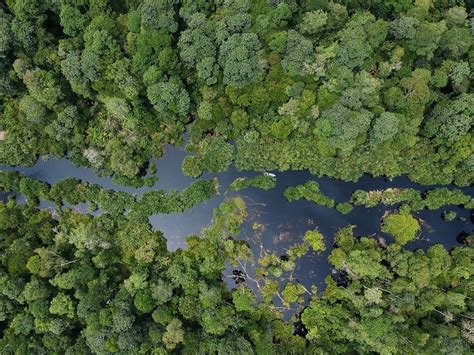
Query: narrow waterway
{"type": "Point", "coordinates": [283, 223]}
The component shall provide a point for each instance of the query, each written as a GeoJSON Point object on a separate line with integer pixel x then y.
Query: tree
{"type": "Point", "coordinates": [456, 16]}
{"type": "Point", "coordinates": [316, 240]}
{"type": "Point", "coordinates": [412, 283]}
{"type": "Point", "coordinates": [207, 70]}
{"type": "Point", "coordinates": [62, 127]}
{"type": "Point", "coordinates": [71, 69]}
{"type": "Point", "coordinates": [196, 43]}
{"type": "Point", "coordinates": [298, 51]}
{"type": "Point", "coordinates": [191, 167]}
{"type": "Point", "coordinates": [278, 42]}
{"type": "Point", "coordinates": [450, 120]}
{"type": "Point", "coordinates": [215, 155]}
{"type": "Point", "coordinates": [385, 127]}
{"type": "Point", "coordinates": [337, 15]}
{"type": "Point", "coordinates": [344, 207]}
{"type": "Point", "coordinates": [72, 20]}
{"type": "Point", "coordinates": [426, 38]}
{"type": "Point", "coordinates": [243, 299]}
{"type": "Point", "coordinates": [169, 98]}
{"type": "Point", "coordinates": [456, 42]}
{"type": "Point", "coordinates": [309, 191]}
{"type": "Point", "coordinates": [34, 111]}
{"type": "Point", "coordinates": [6, 40]}
{"type": "Point", "coordinates": [282, 128]}
{"type": "Point", "coordinates": [238, 59]}
{"type": "Point", "coordinates": [346, 126]}
{"type": "Point", "coordinates": [361, 35]}
{"type": "Point", "coordinates": [368, 87]}
{"type": "Point", "coordinates": [313, 22]}
{"type": "Point", "coordinates": [24, 34]}
{"type": "Point", "coordinates": [143, 301]}
{"type": "Point", "coordinates": [417, 92]}
{"type": "Point", "coordinates": [402, 226]}
{"type": "Point", "coordinates": [159, 14]}
{"type": "Point", "coordinates": [404, 27]}
{"type": "Point", "coordinates": [239, 118]}
{"type": "Point", "coordinates": [292, 292]}
{"type": "Point", "coordinates": [43, 87]}
{"type": "Point", "coordinates": [459, 75]}
{"type": "Point", "coordinates": [62, 305]}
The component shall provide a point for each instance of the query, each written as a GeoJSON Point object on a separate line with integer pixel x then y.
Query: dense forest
{"type": "Point", "coordinates": [338, 88]}
{"type": "Point", "coordinates": [80, 284]}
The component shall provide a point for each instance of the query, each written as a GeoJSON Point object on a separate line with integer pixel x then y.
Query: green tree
{"type": "Point", "coordinates": [298, 51]}
{"type": "Point", "coordinates": [450, 120]}
{"type": "Point", "coordinates": [426, 38]}
{"type": "Point", "coordinates": [238, 59]}
{"type": "Point", "coordinates": [402, 226]}
{"type": "Point", "coordinates": [170, 99]}
{"type": "Point", "coordinates": [72, 20]}
{"type": "Point", "coordinates": [159, 14]}
{"type": "Point", "coordinates": [62, 305]}
{"type": "Point", "coordinates": [313, 22]}
{"type": "Point", "coordinates": [243, 298]}
{"type": "Point", "coordinates": [316, 240]}
{"type": "Point", "coordinates": [385, 127]}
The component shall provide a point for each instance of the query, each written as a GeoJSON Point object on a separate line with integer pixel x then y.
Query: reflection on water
{"type": "Point", "coordinates": [280, 223]}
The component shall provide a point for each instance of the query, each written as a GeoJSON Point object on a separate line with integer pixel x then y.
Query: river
{"type": "Point", "coordinates": [284, 223]}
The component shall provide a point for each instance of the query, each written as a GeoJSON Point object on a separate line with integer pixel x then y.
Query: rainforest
{"type": "Point", "coordinates": [236, 177]}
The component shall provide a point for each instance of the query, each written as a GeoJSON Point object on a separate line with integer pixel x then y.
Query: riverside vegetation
{"type": "Point", "coordinates": [339, 88]}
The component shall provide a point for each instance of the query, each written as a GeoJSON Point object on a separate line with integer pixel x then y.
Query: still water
{"type": "Point", "coordinates": [284, 223]}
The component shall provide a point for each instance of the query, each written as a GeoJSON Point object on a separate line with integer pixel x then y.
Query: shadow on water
{"type": "Point", "coordinates": [284, 223]}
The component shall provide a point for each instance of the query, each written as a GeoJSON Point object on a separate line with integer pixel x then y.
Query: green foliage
{"type": "Point", "coordinates": [292, 292]}
{"type": "Point", "coordinates": [243, 299]}
{"type": "Point", "coordinates": [111, 275]}
{"type": "Point", "coordinates": [157, 14]}
{"type": "Point", "coordinates": [238, 58]}
{"type": "Point", "coordinates": [313, 22]}
{"type": "Point", "coordinates": [264, 182]}
{"type": "Point", "coordinates": [239, 118]}
{"type": "Point", "coordinates": [169, 98]}
{"type": "Point", "coordinates": [173, 335]}
{"type": "Point", "coordinates": [346, 126]}
{"type": "Point", "coordinates": [294, 86]}
{"type": "Point", "coordinates": [62, 305]}
{"type": "Point", "coordinates": [298, 50]}
{"type": "Point", "coordinates": [401, 225]}
{"type": "Point", "coordinates": [431, 199]}
{"type": "Point", "coordinates": [451, 120]}
{"type": "Point", "coordinates": [309, 191]}
{"type": "Point", "coordinates": [72, 20]}
{"type": "Point", "coordinates": [358, 316]}
{"type": "Point", "coordinates": [449, 215]}
{"type": "Point", "coordinates": [99, 289]}
{"type": "Point", "coordinates": [385, 128]}
{"type": "Point", "coordinates": [73, 192]}
{"type": "Point", "coordinates": [344, 207]}
{"type": "Point", "coordinates": [439, 197]}
{"type": "Point", "coordinates": [316, 240]}
{"type": "Point", "coordinates": [215, 155]}
{"type": "Point", "coordinates": [338, 89]}
{"type": "Point", "coordinates": [426, 38]}
{"type": "Point", "coordinates": [191, 167]}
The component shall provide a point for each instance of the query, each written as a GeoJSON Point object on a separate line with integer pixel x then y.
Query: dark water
{"type": "Point", "coordinates": [284, 223]}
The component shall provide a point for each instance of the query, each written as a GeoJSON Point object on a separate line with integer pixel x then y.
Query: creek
{"type": "Point", "coordinates": [282, 223]}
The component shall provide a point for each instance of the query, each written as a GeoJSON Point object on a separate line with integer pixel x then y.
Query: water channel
{"type": "Point", "coordinates": [284, 223]}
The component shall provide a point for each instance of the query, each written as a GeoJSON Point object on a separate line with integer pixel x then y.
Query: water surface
{"type": "Point", "coordinates": [284, 223]}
